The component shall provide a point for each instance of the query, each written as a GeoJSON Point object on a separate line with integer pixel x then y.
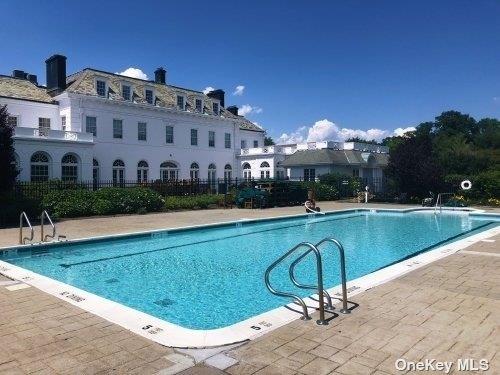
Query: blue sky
{"type": "Point", "coordinates": [311, 69]}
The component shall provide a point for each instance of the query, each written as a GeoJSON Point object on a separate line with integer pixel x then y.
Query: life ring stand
{"type": "Point", "coordinates": [466, 185]}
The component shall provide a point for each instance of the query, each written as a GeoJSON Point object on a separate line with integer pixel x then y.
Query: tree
{"type": "Point", "coordinates": [268, 141]}
{"type": "Point", "coordinates": [455, 123]}
{"type": "Point", "coordinates": [8, 171]}
{"type": "Point", "coordinates": [448, 150]}
{"type": "Point", "coordinates": [414, 167]}
{"type": "Point", "coordinates": [488, 134]}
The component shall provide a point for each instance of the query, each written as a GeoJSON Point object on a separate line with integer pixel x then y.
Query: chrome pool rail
{"type": "Point", "coordinates": [22, 240]}
{"type": "Point", "coordinates": [43, 238]}
{"type": "Point", "coordinates": [439, 202]}
{"type": "Point", "coordinates": [299, 300]}
{"type": "Point", "coordinates": [345, 309]}
{"type": "Point", "coordinates": [44, 215]}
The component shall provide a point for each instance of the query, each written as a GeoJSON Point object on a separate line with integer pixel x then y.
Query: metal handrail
{"type": "Point", "coordinates": [53, 235]}
{"type": "Point", "coordinates": [32, 232]}
{"type": "Point", "coordinates": [291, 271]}
{"type": "Point", "coordinates": [439, 202]}
{"type": "Point", "coordinates": [319, 267]}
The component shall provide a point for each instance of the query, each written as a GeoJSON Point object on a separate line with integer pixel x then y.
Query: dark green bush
{"type": "Point", "coordinates": [487, 184]}
{"type": "Point", "coordinates": [324, 192]}
{"type": "Point", "coordinates": [69, 203]}
{"type": "Point", "coordinates": [130, 200]}
{"type": "Point", "coordinates": [191, 202]}
{"type": "Point", "coordinates": [107, 201]}
{"type": "Point", "coordinates": [337, 180]}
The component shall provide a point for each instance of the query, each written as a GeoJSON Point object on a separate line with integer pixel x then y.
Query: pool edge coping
{"type": "Point", "coordinates": [173, 335]}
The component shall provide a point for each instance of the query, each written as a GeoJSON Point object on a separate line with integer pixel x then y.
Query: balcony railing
{"type": "Point", "coordinates": [267, 150]}
{"type": "Point", "coordinates": [50, 134]}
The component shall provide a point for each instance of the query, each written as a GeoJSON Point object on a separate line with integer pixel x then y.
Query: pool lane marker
{"type": "Point", "coordinates": [67, 265]}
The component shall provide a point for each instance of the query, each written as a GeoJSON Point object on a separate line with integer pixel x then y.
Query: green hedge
{"type": "Point", "coordinates": [191, 202]}
{"type": "Point", "coordinates": [336, 179]}
{"type": "Point", "coordinates": [106, 201]}
{"type": "Point", "coordinates": [324, 192]}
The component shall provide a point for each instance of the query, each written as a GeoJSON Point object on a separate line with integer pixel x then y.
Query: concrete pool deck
{"type": "Point", "coordinates": [447, 309]}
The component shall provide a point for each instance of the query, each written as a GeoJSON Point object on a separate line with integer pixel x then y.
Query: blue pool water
{"type": "Point", "coordinates": [214, 277]}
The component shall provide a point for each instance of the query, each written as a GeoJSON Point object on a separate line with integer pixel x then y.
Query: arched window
{"type": "Point", "coordinates": [228, 172]}
{"type": "Point", "coordinates": [212, 174]}
{"type": "Point", "coordinates": [142, 171]}
{"type": "Point", "coordinates": [40, 166]}
{"type": "Point", "coordinates": [95, 172]}
{"type": "Point", "coordinates": [69, 168]}
{"type": "Point", "coordinates": [247, 171]}
{"type": "Point", "coordinates": [118, 172]}
{"type": "Point", "coordinates": [169, 171]}
{"type": "Point", "coordinates": [194, 171]}
{"type": "Point", "coordinates": [265, 171]}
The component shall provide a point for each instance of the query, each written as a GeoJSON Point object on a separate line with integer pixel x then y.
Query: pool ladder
{"type": "Point", "coordinates": [43, 238]}
{"type": "Point", "coordinates": [439, 202]}
{"type": "Point", "coordinates": [45, 215]}
{"type": "Point", "coordinates": [322, 293]}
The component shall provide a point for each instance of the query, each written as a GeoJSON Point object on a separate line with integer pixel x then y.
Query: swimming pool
{"type": "Point", "coordinates": [211, 277]}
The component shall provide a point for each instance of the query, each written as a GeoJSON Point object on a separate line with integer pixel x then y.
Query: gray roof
{"type": "Point", "coordinates": [23, 89]}
{"type": "Point", "coordinates": [339, 157]}
{"type": "Point", "coordinates": [83, 82]}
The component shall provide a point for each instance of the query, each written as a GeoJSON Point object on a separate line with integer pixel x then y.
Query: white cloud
{"type": "Point", "coordinates": [247, 109]}
{"type": "Point", "coordinates": [325, 130]}
{"type": "Point", "coordinates": [496, 99]}
{"type": "Point", "coordinates": [239, 90]}
{"type": "Point", "coordinates": [207, 89]}
{"type": "Point", "coordinates": [401, 131]}
{"type": "Point", "coordinates": [134, 73]}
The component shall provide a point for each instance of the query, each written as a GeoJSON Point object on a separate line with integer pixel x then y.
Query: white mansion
{"type": "Point", "coordinates": [95, 125]}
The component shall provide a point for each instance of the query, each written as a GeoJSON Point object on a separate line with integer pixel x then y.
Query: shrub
{"type": "Point", "coordinates": [487, 184]}
{"type": "Point", "coordinates": [324, 192]}
{"type": "Point", "coordinates": [337, 181]}
{"type": "Point", "coordinates": [191, 202]}
{"type": "Point", "coordinates": [130, 200]}
{"type": "Point", "coordinates": [107, 201]}
{"type": "Point", "coordinates": [69, 203]}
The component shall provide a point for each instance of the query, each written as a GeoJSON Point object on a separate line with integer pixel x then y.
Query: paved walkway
{"type": "Point", "coordinates": [447, 310]}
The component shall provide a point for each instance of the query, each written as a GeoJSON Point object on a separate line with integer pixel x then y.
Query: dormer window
{"type": "Point", "coordinates": [199, 105]}
{"type": "Point", "coordinates": [101, 88]}
{"type": "Point", "coordinates": [126, 92]}
{"type": "Point", "coordinates": [149, 96]}
{"type": "Point", "coordinates": [215, 108]}
{"type": "Point", "coordinates": [180, 102]}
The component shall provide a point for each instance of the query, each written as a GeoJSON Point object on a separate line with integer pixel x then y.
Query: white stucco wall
{"type": "Point", "coordinates": [29, 112]}
{"type": "Point", "coordinates": [106, 149]}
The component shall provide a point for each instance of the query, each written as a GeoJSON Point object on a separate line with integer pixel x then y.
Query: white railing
{"type": "Point", "coordinates": [267, 150]}
{"type": "Point", "coordinates": [36, 133]}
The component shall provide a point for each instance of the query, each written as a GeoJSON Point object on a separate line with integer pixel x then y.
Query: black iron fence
{"type": "Point", "coordinates": [347, 187]}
